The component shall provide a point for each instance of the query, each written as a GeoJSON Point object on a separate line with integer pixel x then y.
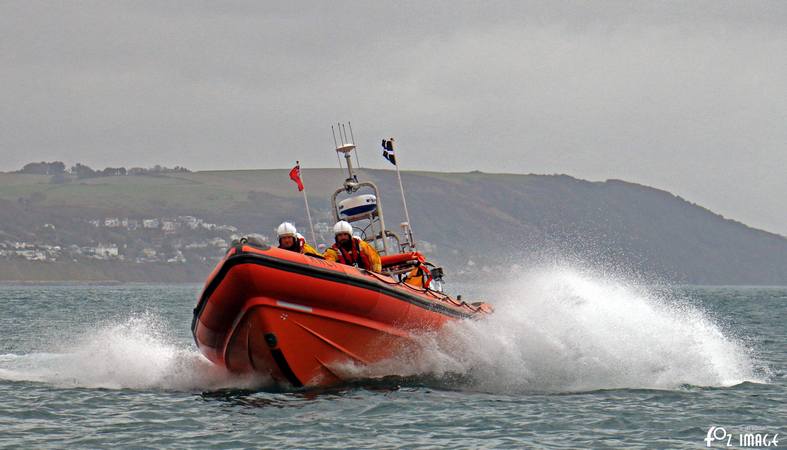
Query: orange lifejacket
{"type": "Point", "coordinates": [355, 257]}
{"type": "Point", "coordinates": [420, 276]}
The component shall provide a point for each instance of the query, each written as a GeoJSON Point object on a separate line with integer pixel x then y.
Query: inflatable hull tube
{"type": "Point", "coordinates": [302, 320]}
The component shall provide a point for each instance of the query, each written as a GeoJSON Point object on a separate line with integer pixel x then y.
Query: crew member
{"type": "Point", "coordinates": [290, 239]}
{"type": "Point", "coordinates": [351, 250]}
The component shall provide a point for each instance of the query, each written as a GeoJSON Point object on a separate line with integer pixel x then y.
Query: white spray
{"type": "Point", "coordinates": [562, 330]}
{"type": "Point", "coordinates": [135, 354]}
{"type": "Point", "coordinates": [554, 330]}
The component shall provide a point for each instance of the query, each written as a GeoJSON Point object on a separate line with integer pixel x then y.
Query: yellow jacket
{"type": "Point", "coordinates": [362, 255]}
{"type": "Point", "coordinates": [415, 277]}
{"type": "Point", "coordinates": [306, 248]}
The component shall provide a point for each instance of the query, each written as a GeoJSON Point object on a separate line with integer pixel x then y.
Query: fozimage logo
{"type": "Point", "coordinates": [726, 439]}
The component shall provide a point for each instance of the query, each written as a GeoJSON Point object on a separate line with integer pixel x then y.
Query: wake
{"type": "Point", "coordinates": [134, 354]}
{"type": "Point", "coordinates": [554, 330]}
{"type": "Point", "coordinates": [562, 330]}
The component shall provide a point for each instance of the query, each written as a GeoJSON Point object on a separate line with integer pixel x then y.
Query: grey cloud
{"type": "Point", "coordinates": [685, 96]}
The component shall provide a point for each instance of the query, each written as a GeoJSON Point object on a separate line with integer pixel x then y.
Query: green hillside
{"type": "Point", "coordinates": [466, 220]}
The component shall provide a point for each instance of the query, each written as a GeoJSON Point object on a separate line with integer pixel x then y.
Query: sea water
{"type": "Point", "coordinates": [569, 359]}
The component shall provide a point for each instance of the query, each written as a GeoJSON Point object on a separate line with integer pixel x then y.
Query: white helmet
{"type": "Point", "coordinates": [286, 229]}
{"type": "Point", "coordinates": [343, 227]}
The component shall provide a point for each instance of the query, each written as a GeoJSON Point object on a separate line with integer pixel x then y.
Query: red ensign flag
{"type": "Point", "coordinates": [295, 175]}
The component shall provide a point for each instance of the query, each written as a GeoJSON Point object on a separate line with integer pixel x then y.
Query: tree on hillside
{"type": "Point", "coordinates": [44, 168]}
{"type": "Point", "coordinates": [113, 172]}
{"type": "Point", "coordinates": [83, 171]}
{"type": "Point", "coordinates": [155, 170]}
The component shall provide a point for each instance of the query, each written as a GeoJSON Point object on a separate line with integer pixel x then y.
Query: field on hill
{"type": "Point", "coordinates": [466, 221]}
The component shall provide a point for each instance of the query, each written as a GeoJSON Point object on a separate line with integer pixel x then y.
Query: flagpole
{"type": "Point", "coordinates": [308, 214]}
{"type": "Point", "coordinates": [404, 201]}
{"type": "Point", "coordinates": [306, 201]}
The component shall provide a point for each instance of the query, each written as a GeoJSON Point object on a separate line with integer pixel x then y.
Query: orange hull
{"type": "Point", "coordinates": [298, 319]}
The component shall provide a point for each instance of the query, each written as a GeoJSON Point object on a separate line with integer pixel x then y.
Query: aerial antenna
{"type": "Point", "coordinates": [335, 145]}
{"type": "Point", "coordinates": [350, 126]}
{"type": "Point", "coordinates": [346, 148]}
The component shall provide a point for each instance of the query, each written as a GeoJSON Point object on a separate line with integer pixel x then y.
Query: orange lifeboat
{"type": "Point", "coordinates": [302, 320]}
{"type": "Point", "coordinates": [296, 318]}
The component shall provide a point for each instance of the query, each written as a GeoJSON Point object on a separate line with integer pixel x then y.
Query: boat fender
{"type": "Point", "coordinates": [256, 242]}
{"type": "Point", "coordinates": [252, 241]}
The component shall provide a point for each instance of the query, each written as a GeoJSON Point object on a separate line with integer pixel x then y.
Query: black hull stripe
{"type": "Point", "coordinates": [316, 272]}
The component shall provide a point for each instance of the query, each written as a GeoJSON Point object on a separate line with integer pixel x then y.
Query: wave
{"type": "Point", "coordinates": [136, 353]}
{"type": "Point", "coordinates": [554, 330]}
{"type": "Point", "coordinates": [567, 330]}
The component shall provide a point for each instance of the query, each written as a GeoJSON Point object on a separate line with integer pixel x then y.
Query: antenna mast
{"type": "Point", "coordinates": [350, 126]}
{"type": "Point", "coordinates": [408, 228]}
{"type": "Point", "coordinates": [335, 145]}
{"type": "Point", "coordinates": [370, 207]}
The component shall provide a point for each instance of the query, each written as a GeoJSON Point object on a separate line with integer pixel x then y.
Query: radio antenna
{"type": "Point", "coordinates": [357, 161]}
{"type": "Point", "coordinates": [335, 145]}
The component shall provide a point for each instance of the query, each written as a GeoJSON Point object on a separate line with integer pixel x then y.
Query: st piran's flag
{"type": "Point", "coordinates": [388, 151]}
{"type": "Point", "coordinates": [295, 175]}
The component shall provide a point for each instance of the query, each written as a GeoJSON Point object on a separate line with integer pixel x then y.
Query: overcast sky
{"type": "Point", "coordinates": [690, 97]}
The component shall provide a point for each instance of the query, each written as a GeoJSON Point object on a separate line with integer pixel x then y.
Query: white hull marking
{"type": "Point", "coordinates": [283, 304]}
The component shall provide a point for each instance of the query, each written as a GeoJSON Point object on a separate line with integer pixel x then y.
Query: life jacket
{"type": "Point", "coordinates": [354, 257]}
{"type": "Point", "coordinates": [420, 276]}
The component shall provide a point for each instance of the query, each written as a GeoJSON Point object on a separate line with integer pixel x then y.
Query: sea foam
{"type": "Point", "coordinates": [136, 353]}
{"type": "Point", "coordinates": [558, 329]}
{"type": "Point", "coordinates": [567, 330]}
